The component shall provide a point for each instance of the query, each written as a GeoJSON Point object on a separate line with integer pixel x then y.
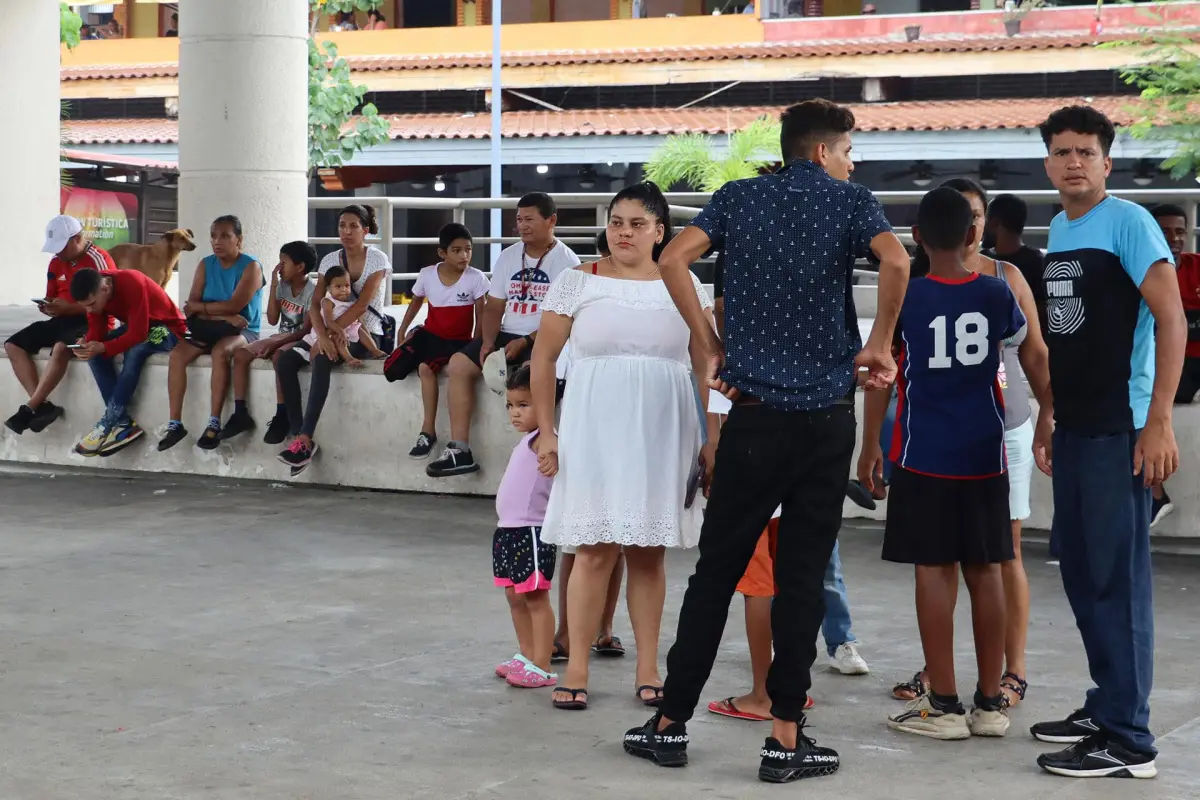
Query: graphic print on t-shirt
{"type": "Point", "coordinates": [1100, 332]}
{"type": "Point", "coordinates": [1064, 304]}
{"type": "Point", "coordinates": [522, 283]}
{"type": "Point", "coordinates": [950, 408]}
{"type": "Point", "coordinates": [293, 307]}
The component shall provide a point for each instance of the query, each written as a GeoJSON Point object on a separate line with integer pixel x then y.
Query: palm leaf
{"type": "Point", "coordinates": [680, 158]}
{"type": "Point", "coordinates": [757, 143]}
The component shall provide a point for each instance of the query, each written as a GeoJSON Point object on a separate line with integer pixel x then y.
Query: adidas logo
{"type": "Point", "coordinates": [463, 297]}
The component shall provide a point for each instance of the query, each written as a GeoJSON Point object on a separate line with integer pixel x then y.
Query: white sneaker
{"type": "Point", "coordinates": [988, 723]}
{"type": "Point", "coordinates": [920, 717]}
{"type": "Point", "coordinates": [847, 661]}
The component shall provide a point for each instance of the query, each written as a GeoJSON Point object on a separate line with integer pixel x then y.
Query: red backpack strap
{"type": "Point", "coordinates": [595, 266]}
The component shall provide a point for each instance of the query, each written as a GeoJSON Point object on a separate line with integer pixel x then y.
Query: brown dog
{"type": "Point", "coordinates": [157, 261]}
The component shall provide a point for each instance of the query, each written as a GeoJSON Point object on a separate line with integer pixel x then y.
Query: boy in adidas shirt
{"type": "Point", "coordinates": [948, 504]}
{"type": "Point", "coordinates": [455, 292]}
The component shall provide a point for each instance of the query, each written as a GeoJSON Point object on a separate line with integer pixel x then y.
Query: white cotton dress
{"type": "Point", "coordinates": [629, 434]}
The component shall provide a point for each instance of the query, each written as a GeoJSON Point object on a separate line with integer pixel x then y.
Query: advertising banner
{"type": "Point", "coordinates": [109, 218]}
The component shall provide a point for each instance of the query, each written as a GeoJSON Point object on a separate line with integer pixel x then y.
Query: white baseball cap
{"type": "Point", "coordinates": [59, 231]}
{"type": "Point", "coordinates": [495, 372]}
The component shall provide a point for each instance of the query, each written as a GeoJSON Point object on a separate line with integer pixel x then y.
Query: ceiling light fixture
{"type": "Point", "coordinates": [989, 173]}
{"type": "Point", "coordinates": [1144, 172]}
{"type": "Point", "coordinates": [439, 185]}
{"type": "Point", "coordinates": [922, 174]}
{"type": "Point", "coordinates": [587, 178]}
{"type": "Point", "coordinates": [542, 169]}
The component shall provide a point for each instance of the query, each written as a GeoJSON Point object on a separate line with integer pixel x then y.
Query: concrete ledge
{"type": "Point", "coordinates": [368, 427]}
{"type": "Point", "coordinates": [366, 430]}
{"type": "Point", "coordinates": [1184, 487]}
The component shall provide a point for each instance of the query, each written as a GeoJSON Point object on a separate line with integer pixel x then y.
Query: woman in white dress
{"type": "Point", "coordinates": [629, 444]}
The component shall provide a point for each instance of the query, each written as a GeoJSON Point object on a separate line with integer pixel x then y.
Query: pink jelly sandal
{"type": "Point", "coordinates": [530, 677]}
{"type": "Point", "coordinates": [517, 662]}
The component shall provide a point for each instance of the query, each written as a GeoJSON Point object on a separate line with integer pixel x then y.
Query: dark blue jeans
{"type": "Point", "coordinates": [117, 389]}
{"type": "Point", "coordinates": [1101, 535]}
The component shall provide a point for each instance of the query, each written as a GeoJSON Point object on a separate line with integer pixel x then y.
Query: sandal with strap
{"type": "Point", "coordinates": [652, 702]}
{"type": "Point", "coordinates": [574, 704]}
{"type": "Point", "coordinates": [1014, 683]}
{"type": "Point", "coordinates": [559, 654]}
{"type": "Point", "coordinates": [917, 687]}
{"type": "Point", "coordinates": [612, 648]}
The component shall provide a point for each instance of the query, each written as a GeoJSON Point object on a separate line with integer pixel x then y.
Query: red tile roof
{"type": "Point", "coordinates": [912, 116]}
{"type": "Point", "coordinates": [806, 49]}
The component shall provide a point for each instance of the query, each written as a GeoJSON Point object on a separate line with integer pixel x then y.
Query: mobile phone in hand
{"type": "Point", "coordinates": [40, 301]}
{"type": "Point", "coordinates": [75, 347]}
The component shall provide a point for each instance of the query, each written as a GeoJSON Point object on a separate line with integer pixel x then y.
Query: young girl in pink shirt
{"type": "Point", "coordinates": [520, 562]}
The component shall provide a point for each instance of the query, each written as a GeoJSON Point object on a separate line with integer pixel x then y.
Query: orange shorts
{"type": "Point", "coordinates": [759, 580]}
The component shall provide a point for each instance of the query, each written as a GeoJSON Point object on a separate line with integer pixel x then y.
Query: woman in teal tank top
{"type": "Point", "coordinates": [224, 313]}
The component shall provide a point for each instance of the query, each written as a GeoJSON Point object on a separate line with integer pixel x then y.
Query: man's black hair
{"type": "Point", "coordinates": [1010, 211]}
{"type": "Point", "coordinates": [543, 202]}
{"type": "Point", "coordinates": [336, 271]}
{"type": "Point", "coordinates": [807, 124]}
{"type": "Point", "coordinates": [1079, 119]}
{"type": "Point", "coordinates": [1167, 210]}
{"type": "Point", "coordinates": [943, 219]}
{"type": "Point", "coordinates": [451, 233]}
{"type": "Point", "coordinates": [301, 253]}
{"type": "Point", "coordinates": [518, 379]}
{"type": "Point", "coordinates": [602, 244]}
{"type": "Point", "coordinates": [85, 283]}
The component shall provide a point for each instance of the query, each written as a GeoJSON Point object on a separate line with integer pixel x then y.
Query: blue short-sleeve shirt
{"type": "Point", "coordinates": [1099, 330]}
{"type": "Point", "coordinates": [789, 242]}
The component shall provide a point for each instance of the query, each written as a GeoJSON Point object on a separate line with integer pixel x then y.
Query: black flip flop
{"type": "Point", "coordinates": [653, 702]}
{"type": "Point", "coordinates": [614, 648]}
{"type": "Point", "coordinates": [574, 704]}
{"type": "Point", "coordinates": [559, 655]}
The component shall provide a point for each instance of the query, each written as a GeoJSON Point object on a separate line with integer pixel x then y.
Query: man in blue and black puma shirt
{"type": "Point", "coordinates": [1110, 285]}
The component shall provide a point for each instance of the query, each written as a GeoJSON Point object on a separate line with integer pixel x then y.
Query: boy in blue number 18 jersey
{"type": "Point", "coordinates": [948, 501]}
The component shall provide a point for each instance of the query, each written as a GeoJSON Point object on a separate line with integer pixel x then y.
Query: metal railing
{"type": "Point", "coordinates": [684, 206]}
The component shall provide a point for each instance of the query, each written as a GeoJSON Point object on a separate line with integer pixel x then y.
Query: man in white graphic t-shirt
{"type": "Point", "coordinates": [521, 277]}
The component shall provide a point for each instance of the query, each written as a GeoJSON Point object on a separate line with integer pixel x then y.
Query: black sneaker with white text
{"type": "Point", "coordinates": [1074, 728]}
{"type": "Point", "coordinates": [1098, 757]}
{"type": "Point", "coordinates": [667, 748]}
{"type": "Point", "coordinates": [807, 760]}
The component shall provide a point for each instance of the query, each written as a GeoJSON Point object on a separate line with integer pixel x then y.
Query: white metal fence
{"type": "Point", "coordinates": [684, 206]}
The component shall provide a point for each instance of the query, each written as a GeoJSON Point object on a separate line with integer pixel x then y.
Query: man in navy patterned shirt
{"type": "Point", "coordinates": [789, 361]}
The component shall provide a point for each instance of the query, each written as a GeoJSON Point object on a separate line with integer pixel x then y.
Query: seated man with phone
{"type": "Point", "coordinates": [66, 324]}
{"type": "Point", "coordinates": [151, 323]}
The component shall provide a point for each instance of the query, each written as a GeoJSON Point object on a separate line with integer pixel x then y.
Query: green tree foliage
{"type": "Point", "coordinates": [692, 158]}
{"type": "Point", "coordinates": [1168, 75]}
{"type": "Point", "coordinates": [335, 132]}
{"type": "Point", "coordinates": [69, 26]}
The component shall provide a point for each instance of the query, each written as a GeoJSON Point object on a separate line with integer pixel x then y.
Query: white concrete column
{"type": "Point", "coordinates": [29, 62]}
{"type": "Point", "coordinates": [243, 122]}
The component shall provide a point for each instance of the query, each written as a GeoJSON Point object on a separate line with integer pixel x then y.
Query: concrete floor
{"type": "Point", "coordinates": [204, 640]}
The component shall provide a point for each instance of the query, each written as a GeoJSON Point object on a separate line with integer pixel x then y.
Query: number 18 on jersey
{"type": "Point", "coordinates": [950, 414]}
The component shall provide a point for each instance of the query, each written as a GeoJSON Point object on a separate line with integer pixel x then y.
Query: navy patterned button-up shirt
{"type": "Point", "coordinates": [790, 241]}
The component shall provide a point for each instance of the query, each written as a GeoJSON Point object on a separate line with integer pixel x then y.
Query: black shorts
{"type": "Point", "coordinates": [46, 333]}
{"type": "Point", "coordinates": [475, 346]}
{"type": "Point", "coordinates": [422, 347]}
{"type": "Point", "coordinates": [521, 560]}
{"type": "Point", "coordinates": [935, 521]}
